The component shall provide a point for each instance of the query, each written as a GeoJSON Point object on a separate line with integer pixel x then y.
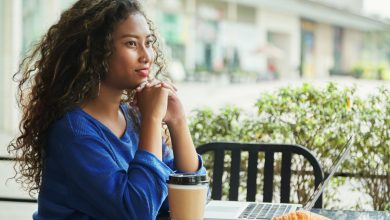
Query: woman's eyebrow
{"type": "Point", "coordinates": [135, 36]}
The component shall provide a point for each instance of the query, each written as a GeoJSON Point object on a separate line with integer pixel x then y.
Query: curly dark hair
{"type": "Point", "coordinates": [63, 71]}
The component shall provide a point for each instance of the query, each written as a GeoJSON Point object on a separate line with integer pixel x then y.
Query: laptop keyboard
{"type": "Point", "coordinates": [264, 211]}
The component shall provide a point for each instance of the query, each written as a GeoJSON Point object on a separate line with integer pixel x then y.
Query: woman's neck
{"type": "Point", "coordinates": [106, 104]}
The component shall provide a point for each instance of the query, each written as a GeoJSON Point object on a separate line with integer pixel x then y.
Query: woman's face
{"type": "Point", "coordinates": [132, 57]}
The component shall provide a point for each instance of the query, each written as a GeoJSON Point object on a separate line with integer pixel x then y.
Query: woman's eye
{"type": "Point", "coordinates": [149, 43]}
{"type": "Point", "coordinates": [131, 43]}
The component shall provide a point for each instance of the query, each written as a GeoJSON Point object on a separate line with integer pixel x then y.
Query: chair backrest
{"type": "Point", "coordinates": [220, 149]}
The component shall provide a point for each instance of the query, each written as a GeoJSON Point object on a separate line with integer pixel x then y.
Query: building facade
{"type": "Point", "coordinates": [293, 38]}
{"type": "Point", "coordinates": [308, 38]}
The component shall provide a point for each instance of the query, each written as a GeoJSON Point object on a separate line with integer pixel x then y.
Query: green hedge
{"type": "Point", "coordinates": [320, 119]}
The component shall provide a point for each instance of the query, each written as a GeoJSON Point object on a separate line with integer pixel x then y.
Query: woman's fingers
{"type": "Point", "coordinates": [148, 84]}
{"type": "Point", "coordinates": [153, 83]}
{"type": "Point", "coordinates": [171, 88]}
{"type": "Point", "coordinates": [153, 101]}
{"type": "Point", "coordinates": [170, 85]}
{"type": "Point", "coordinates": [141, 86]}
{"type": "Point", "coordinates": [157, 83]}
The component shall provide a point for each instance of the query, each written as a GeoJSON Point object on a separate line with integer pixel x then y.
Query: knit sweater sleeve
{"type": "Point", "coordinates": [168, 159]}
{"type": "Point", "coordinates": [103, 189]}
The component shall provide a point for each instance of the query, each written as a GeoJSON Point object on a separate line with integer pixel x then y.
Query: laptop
{"type": "Point", "coordinates": [216, 209]}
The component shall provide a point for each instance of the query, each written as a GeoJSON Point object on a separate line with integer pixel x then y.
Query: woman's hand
{"type": "Point", "coordinates": [175, 110]}
{"type": "Point", "coordinates": [301, 215]}
{"type": "Point", "coordinates": [186, 159]}
{"type": "Point", "coordinates": [152, 101]}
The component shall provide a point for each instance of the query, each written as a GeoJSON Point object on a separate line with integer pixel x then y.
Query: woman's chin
{"type": "Point", "coordinates": [134, 85]}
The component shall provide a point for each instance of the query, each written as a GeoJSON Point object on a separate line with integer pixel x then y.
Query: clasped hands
{"type": "Point", "coordinates": [158, 100]}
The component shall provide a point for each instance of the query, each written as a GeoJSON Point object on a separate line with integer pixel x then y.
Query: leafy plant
{"type": "Point", "coordinates": [372, 153]}
{"type": "Point", "coordinates": [358, 71]}
{"type": "Point", "coordinates": [321, 120]}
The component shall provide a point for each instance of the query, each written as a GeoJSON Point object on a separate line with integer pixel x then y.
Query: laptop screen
{"type": "Point", "coordinates": [347, 147]}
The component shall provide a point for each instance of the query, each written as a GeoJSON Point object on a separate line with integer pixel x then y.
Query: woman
{"type": "Point", "coordinates": [91, 130]}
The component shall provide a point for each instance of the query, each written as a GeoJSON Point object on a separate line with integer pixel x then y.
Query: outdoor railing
{"type": "Point", "coordinates": [13, 199]}
{"type": "Point", "coordinates": [345, 174]}
{"type": "Point", "coordinates": [340, 174]}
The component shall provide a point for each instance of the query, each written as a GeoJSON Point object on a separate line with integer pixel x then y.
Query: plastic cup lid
{"type": "Point", "coordinates": [187, 179]}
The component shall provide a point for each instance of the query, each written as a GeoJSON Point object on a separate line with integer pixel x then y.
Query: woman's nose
{"type": "Point", "coordinates": [145, 55]}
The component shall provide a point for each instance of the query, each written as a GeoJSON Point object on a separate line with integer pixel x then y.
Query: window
{"type": "Point", "coordinates": [338, 49]}
{"type": "Point", "coordinates": [246, 14]}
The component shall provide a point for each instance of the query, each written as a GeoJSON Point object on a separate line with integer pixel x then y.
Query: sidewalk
{"type": "Point", "coordinates": [217, 94]}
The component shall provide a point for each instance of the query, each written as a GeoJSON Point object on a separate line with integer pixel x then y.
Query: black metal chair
{"type": "Point", "coordinates": [13, 199]}
{"type": "Point", "coordinates": [221, 148]}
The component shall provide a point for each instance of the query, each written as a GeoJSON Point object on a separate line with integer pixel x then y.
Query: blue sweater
{"type": "Point", "coordinates": [90, 173]}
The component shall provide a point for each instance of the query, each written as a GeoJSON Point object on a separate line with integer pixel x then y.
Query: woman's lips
{"type": "Point", "coordinates": [143, 72]}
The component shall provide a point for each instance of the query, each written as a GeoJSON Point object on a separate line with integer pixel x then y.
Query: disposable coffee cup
{"type": "Point", "coordinates": [187, 194]}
